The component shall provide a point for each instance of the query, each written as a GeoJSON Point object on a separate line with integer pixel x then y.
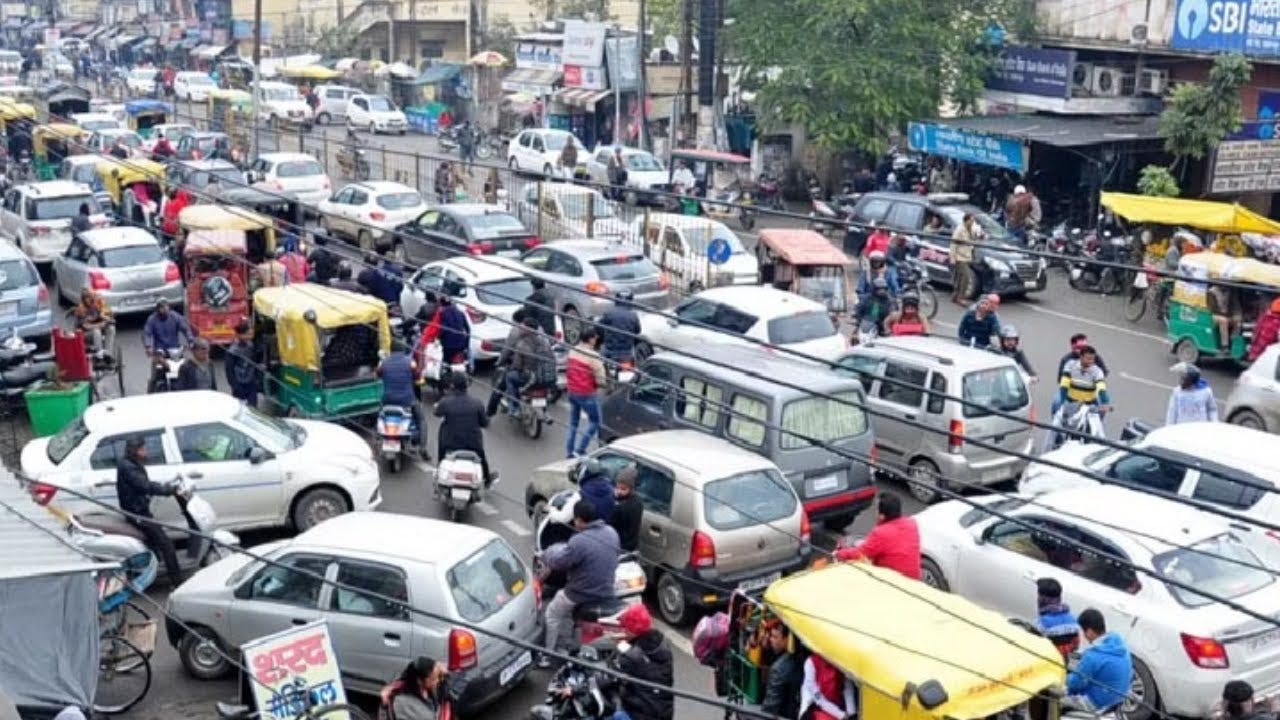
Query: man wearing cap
{"type": "Point", "coordinates": [628, 511]}
{"type": "Point", "coordinates": [196, 372]}
{"type": "Point", "coordinates": [134, 490]}
{"type": "Point", "coordinates": [647, 656]}
{"type": "Point", "coordinates": [1017, 212]}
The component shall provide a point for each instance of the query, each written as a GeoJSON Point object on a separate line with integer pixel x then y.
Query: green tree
{"type": "Point", "coordinates": [1157, 181]}
{"type": "Point", "coordinates": [854, 71]}
{"type": "Point", "coordinates": [1200, 115]}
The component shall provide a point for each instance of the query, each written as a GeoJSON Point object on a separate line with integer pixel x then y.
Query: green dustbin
{"type": "Point", "coordinates": [52, 407]}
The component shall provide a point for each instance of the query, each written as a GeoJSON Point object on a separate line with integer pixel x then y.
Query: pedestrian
{"type": "Point", "coordinates": [443, 183]}
{"type": "Point", "coordinates": [196, 372]}
{"type": "Point", "coordinates": [1054, 618]}
{"type": "Point", "coordinates": [1192, 400]}
{"type": "Point", "coordinates": [962, 240]}
{"type": "Point", "coordinates": [1017, 210]}
{"type": "Point", "coordinates": [295, 264]}
{"type": "Point", "coordinates": [569, 158]}
{"type": "Point", "coordinates": [1238, 702]}
{"type": "Point", "coordinates": [81, 222]}
{"type": "Point", "coordinates": [244, 376]}
{"type": "Point", "coordinates": [617, 171]}
{"type": "Point", "coordinates": [584, 376]}
{"type": "Point", "coordinates": [1265, 332]}
{"type": "Point", "coordinates": [894, 542]}
{"type": "Point", "coordinates": [134, 490]}
{"type": "Point", "coordinates": [492, 185]}
{"type": "Point", "coordinates": [467, 145]}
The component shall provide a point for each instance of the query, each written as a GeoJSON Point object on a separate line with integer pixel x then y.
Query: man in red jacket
{"type": "Point", "coordinates": [893, 543]}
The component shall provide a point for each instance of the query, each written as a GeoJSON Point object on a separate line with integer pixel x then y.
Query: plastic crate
{"type": "Point", "coordinates": [51, 409]}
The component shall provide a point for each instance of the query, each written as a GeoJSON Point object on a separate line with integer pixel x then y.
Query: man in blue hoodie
{"type": "Point", "coordinates": [590, 560]}
{"type": "Point", "coordinates": [1103, 675]}
{"type": "Point", "coordinates": [1192, 400]}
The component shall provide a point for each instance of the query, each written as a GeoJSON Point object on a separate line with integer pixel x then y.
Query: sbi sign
{"type": "Point", "coordinates": [1250, 27]}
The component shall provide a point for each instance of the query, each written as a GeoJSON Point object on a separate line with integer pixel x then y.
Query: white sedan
{"type": "Point", "coordinates": [1185, 645]}
{"type": "Point", "coordinates": [256, 471]}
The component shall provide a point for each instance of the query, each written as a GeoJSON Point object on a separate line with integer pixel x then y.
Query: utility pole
{"type": "Point", "coordinates": [391, 33]}
{"type": "Point", "coordinates": [643, 94]}
{"type": "Point", "coordinates": [257, 72]}
{"type": "Point", "coordinates": [708, 11]}
{"type": "Point", "coordinates": [686, 70]}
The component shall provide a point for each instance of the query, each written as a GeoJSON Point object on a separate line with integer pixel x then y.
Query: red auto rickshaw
{"type": "Point", "coordinates": [216, 268]}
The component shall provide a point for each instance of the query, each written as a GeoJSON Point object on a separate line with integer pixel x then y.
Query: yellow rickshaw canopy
{"type": "Point", "coordinates": [302, 310]}
{"type": "Point", "coordinates": [888, 631]}
{"type": "Point", "coordinates": [218, 217]}
{"type": "Point", "coordinates": [14, 110]}
{"type": "Point", "coordinates": [131, 171]}
{"type": "Point", "coordinates": [309, 72]}
{"type": "Point", "coordinates": [66, 131]}
{"type": "Point", "coordinates": [1201, 214]}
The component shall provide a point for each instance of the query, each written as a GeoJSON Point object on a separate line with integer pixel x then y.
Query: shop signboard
{"type": "Point", "coordinates": [1033, 71]}
{"type": "Point", "coordinates": [623, 55]}
{"type": "Point", "coordinates": [294, 670]}
{"type": "Point", "coordinates": [1241, 166]}
{"type": "Point", "coordinates": [536, 56]}
{"type": "Point", "coordinates": [967, 146]}
{"type": "Point", "coordinates": [587, 78]}
{"type": "Point", "coordinates": [1248, 27]}
{"type": "Point", "coordinates": [583, 43]}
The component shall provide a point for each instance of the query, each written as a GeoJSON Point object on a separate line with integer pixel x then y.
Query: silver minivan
{"type": "Point", "coordinates": [333, 103]}
{"type": "Point", "coordinates": [895, 373]}
{"type": "Point", "coordinates": [778, 421]}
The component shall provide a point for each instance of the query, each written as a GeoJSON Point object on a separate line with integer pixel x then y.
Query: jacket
{"type": "Point", "coordinates": [240, 365]}
{"type": "Point", "coordinates": [599, 490]}
{"type": "Point", "coordinates": [1104, 672]}
{"type": "Point", "coordinates": [462, 424]}
{"type": "Point", "coordinates": [193, 377]}
{"type": "Point", "coordinates": [530, 352]}
{"type": "Point", "coordinates": [455, 332]}
{"type": "Point", "coordinates": [1194, 404]}
{"type": "Point", "coordinates": [962, 240]}
{"type": "Point", "coordinates": [894, 544]}
{"type": "Point", "coordinates": [627, 515]}
{"type": "Point", "coordinates": [162, 333]}
{"type": "Point", "coordinates": [397, 380]}
{"type": "Point", "coordinates": [584, 372]}
{"type": "Point", "coordinates": [649, 658]}
{"type": "Point", "coordinates": [978, 330]}
{"type": "Point", "coordinates": [1073, 355]}
{"type": "Point", "coordinates": [1083, 384]}
{"type": "Point", "coordinates": [1057, 623]}
{"type": "Point", "coordinates": [540, 304]}
{"type": "Point", "coordinates": [1265, 334]}
{"type": "Point", "coordinates": [134, 488]}
{"type": "Point", "coordinates": [621, 328]}
{"type": "Point", "coordinates": [878, 241]}
{"type": "Point", "coordinates": [589, 560]}
{"type": "Point", "coordinates": [782, 687]}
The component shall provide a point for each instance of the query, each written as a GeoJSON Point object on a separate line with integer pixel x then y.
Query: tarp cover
{"type": "Point", "coordinates": [1202, 214]}
{"type": "Point", "coordinates": [49, 647]}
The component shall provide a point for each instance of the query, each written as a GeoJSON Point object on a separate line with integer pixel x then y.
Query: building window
{"type": "Point", "coordinates": [430, 49]}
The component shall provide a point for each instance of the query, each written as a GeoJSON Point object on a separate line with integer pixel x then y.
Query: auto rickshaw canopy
{"type": "Point", "coordinates": [11, 110]}
{"type": "Point", "coordinates": [802, 247]}
{"type": "Point", "coordinates": [308, 72]}
{"type": "Point", "coordinates": [1201, 214]}
{"type": "Point", "coordinates": [893, 634]}
{"type": "Point", "coordinates": [218, 217]}
{"type": "Point", "coordinates": [303, 311]}
{"type": "Point", "coordinates": [215, 242]}
{"type": "Point", "coordinates": [1217, 266]}
{"type": "Point", "coordinates": [60, 131]}
{"type": "Point", "coordinates": [133, 108]}
{"type": "Point", "coordinates": [122, 173]}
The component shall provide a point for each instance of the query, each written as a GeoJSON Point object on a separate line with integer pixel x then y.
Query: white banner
{"type": "Point", "coordinates": [583, 44]}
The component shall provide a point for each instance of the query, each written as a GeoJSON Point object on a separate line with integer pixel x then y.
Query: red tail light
{"type": "Point", "coordinates": [40, 229]}
{"type": "Point", "coordinates": [42, 295]}
{"type": "Point", "coordinates": [462, 650]}
{"type": "Point", "coordinates": [171, 273]}
{"type": "Point", "coordinates": [42, 493]}
{"type": "Point", "coordinates": [377, 216]}
{"type": "Point", "coordinates": [875, 456]}
{"type": "Point", "coordinates": [664, 281]}
{"type": "Point", "coordinates": [475, 315]}
{"type": "Point", "coordinates": [955, 440]}
{"type": "Point", "coordinates": [1204, 652]}
{"type": "Point", "coordinates": [805, 529]}
{"type": "Point", "coordinates": [596, 287]}
{"type": "Point", "coordinates": [479, 248]}
{"type": "Point", "coordinates": [195, 154]}
{"type": "Point", "coordinates": [538, 392]}
{"type": "Point", "coordinates": [702, 553]}
{"type": "Point", "coordinates": [532, 242]}
{"type": "Point", "coordinates": [559, 335]}
{"type": "Point", "coordinates": [487, 345]}
{"type": "Point", "coordinates": [98, 281]}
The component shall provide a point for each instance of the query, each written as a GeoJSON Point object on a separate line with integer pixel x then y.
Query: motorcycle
{"type": "Point", "coordinates": [21, 367]}
{"type": "Point", "coordinates": [824, 219]}
{"type": "Point", "coordinates": [353, 162]}
{"type": "Point", "coordinates": [534, 399]}
{"type": "Point", "coordinates": [398, 435]}
{"type": "Point", "coordinates": [459, 482]}
{"type": "Point", "coordinates": [1082, 420]}
{"type": "Point", "coordinates": [578, 691]}
{"type": "Point", "coordinates": [914, 278]}
{"type": "Point", "coordinates": [770, 192]}
{"type": "Point", "coordinates": [1087, 276]}
{"type": "Point", "coordinates": [491, 145]}
{"type": "Point", "coordinates": [866, 333]}
{"type": "Point", "coordinates": [164, 370]}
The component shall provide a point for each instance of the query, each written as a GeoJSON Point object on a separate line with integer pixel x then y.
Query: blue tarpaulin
{"type": "Point", "coordinates": [438, 73]}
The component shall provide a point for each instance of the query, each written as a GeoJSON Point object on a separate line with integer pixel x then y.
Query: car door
{"type": "Point", "coordinates": [279, 596]}
{"type": "Point", "coordinates": [100, 477]}
{"type": "Point", "coordinates": [216, 457]}
{"type": "Point", "coordinates": [358, 111]}
{"type": "Point", "coordinates": [537, 146]}
{"type": "Point", "coordinates": [9, 218]}
{"type": "Point", "coordinates": [520, 149]}
{"type": "Point", "coordinates": [999, 567]}
{"type": "Point", "coordinates": [906, 217]}
{"type": "Point", "coordinates": [421, 231]}
{"type": "Point", "coordinates": [900, 400]}
{"type": "Point", "coordinates": [372, 637]}
{"type": "Point", "coordinates": [338, 218]}
{"type": "Point", "coordinates": [641, 406]}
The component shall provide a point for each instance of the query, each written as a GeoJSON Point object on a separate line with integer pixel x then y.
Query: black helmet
{"type": "Point", "coordinates": [1008, 332]}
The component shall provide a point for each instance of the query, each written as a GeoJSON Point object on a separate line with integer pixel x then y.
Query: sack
{"type": "Point", "coordinates": [432, 361]}
{"type": "Point", "coordinates": [711, 639]}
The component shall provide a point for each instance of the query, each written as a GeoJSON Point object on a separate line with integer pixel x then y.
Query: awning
{"type": "Point", "coordinates": [1201, 214]}
{"type": "Point", "coordinates": [580, 97]}
{"type": "Point", "coordinates": [438, 73]}
{"type": "Point", "coordinates": [100, 29]}
{"type": "Point", "coordinates": [209, 52]}
{"type": "Point", "coordinates": [1061, 130]}
{"type": "Point", "coordinates": [530, 80]}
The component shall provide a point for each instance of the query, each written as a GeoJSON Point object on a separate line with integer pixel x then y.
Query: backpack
{"type": "Point", "coordinates": [711, 639]}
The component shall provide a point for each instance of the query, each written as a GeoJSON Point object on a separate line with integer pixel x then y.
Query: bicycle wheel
{"type": "Point", "coordinates": [118, 623]}
{"type": "Point", "coordinates": [336, 711]}
{"type": "Point", "coordinates": [124, 676]}
{"type": "Point", "coordinates": [1136, 306]}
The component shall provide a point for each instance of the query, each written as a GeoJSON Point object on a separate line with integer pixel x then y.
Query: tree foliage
{"type": "Point", "coordinates": [853, 71]}
{"type": "Point", "coordinates": [1201, 114]}
{"type": "Point", "coordinates": [1157, 181]}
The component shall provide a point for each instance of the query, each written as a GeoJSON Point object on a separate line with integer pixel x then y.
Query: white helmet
{"type": "Point", "coordinates": [1020, 190]}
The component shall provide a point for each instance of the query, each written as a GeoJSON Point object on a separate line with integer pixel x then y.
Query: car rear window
{"type": "Point", "coordinates": [486, 581]}
{"type": "Point", "coordinates": [61, 445]}
{"type": "Point", "coordinates": [624, 267]}
{"type": "Point", "coordinates": [492, 225]}
{"type": "Point", "coordinates": [15, 274]}
{"type": "Point", "coordinates": [504, 292]}
{"type": "Point", "coordinates": [752, 498]}
{"type": "Point", "coordinates": [822, 419]}
{"type": "Point", "coordinates": [399, 201]}
{"type": "Point", "coordinates": [299, 168]}
{"type": "Point", "coordinates": [132, 256]}
{"type": "Point", "coordinates": [801, 327]}
{"type": "Point", "coordinates": [1218, 567]}
{"type": "Point", "coordinates": [63, 208]}
{"type": "Point", "coordinates": [1000, 388]}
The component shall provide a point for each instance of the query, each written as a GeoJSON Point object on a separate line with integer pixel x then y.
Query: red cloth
{"type": "Point", "coordinates": [830, 681]}
{"type": "Point", "coordinates": [879, 240]}
{"type": "Point", "coordinates": [296, 267]}
{"type": "Point", "coordinates": [579, 378]}
{"type": "Point", "coordinates": [907, 326]}
{"type": "Point", "coordinates": [894, 544]}
{"type": "Point", "coordinates": [1265, 333]}
{"type": "Point", "coordinates": [169, 218]}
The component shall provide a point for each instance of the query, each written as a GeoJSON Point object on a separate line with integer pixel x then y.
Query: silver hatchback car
{"type": "Point", "coordinates": [24, 300]}
{"type": "Point", "coordinates": [124, 265]}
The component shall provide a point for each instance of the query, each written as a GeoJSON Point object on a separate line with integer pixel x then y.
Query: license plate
{"type": "Point", "coordinates": [509, 253]}
{"type": "Point", "coordinates": [511, 671]}
{"type": "Point", "coordinates": [759, 583]}
{"type": "Point", "coordinates": [460, 494]}
{"type": "Point", "coordinates": [8, 309]}
{"type": "Point", "coordinates": [538, 402]}
{"type": "Point", "coordinates": [1264, 640]}
{"type": "Point", "coordinates": [1030, 284]}
{"type": "Point", "coordinates": [823, 484]}
{"type": "Point", "coordinates": [391, 446]}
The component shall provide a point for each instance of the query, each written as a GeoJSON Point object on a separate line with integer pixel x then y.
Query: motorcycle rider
{"type": "Point", "coordinates": [589, 560]}
{"type": "Point", "coordinates": [1009, 347]}
{"type": "Point", "coordinates": [165, 330]}
{"type": "Point", "coordinates": [979, 324]}
{"type": "Point", "coordinates": [399, 373]}
{"type": "Point", "coordinates": [876, 307]}
{"type": "Point", "coordinates": [878, 268]}
{"type": "Point", "coordinates": [1192, 400]}
{"type": "Point", "coordinates": [134, 490]}
{"type": "Point", "coordinates": [647, 657]}
{"type": "Point", "coordinates": [621, 327]}
{"type": "Point", "coordinates": [907, 320]}
{"type": "Point", "coordinates": [528, 358]}
{"type": "Point", "coordinates": [1082, 381]}
{"type": "Point", "coordinates": [462, 424]}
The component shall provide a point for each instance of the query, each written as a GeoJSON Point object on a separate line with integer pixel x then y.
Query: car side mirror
{"type": "Point", "coordinates": [673, 322]}
{"type": "Point", "coordinates": [257, 456]}
{"type": "Point", "coordinates": [981, 537]}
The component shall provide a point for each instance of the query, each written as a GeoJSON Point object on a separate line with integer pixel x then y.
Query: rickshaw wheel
{"type": "Point", "coordinates": [747, 221]}
{"type": "Point", "coordinates": [1186, 351]}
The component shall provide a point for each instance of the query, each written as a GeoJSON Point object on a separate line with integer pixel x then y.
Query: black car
{"type": "Point", "coordinates": [1003, 270]}
{"type": "Point", "coordinates": [466, 229]}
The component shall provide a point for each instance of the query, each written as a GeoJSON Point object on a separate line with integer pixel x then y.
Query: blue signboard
{"type": "Point", "coordinates": [1264, 127]}
{"type": "Point", "coordinates": [1248, 27]}
{"type": "Point", "coordinates": [967, 145]}
{"type": "Point", "coordinates": [718, 251]}
{"type": "Point", "coordinates": [1033, 71]}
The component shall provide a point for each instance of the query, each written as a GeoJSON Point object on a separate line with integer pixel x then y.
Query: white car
{"type": "Point", "coordinates": [486, 288]}
{"type": "Point", "coordinates": [192, 86]}
{"type": "Point", "coordinates": [764, 314]}
{"type": "Point", "coordinates": [679, 244]}
{"type": "Point", "coordinates": [297, 173]}
{"type": "Point", "coordinates": [368, 212]}
{"type": "Point", "coordinates": [256, 470]}
{"type": "Point", "coordinates": [376, 114]}
{"type": "Point", "coordinates": [102, 141]}
{"type": "Point", "coordinates": [538, 150]}
{"type": "Point", "coordinates": [1185, 646]}
{"type": "Point", "coordinates": [644, 172]}
{"type": "Point", "coordinates": [280, 102]}
{"type": "Point", "coordinates": [92, 122]}
{"type": "Point", "coordinates": [566, 210]}
{"type": "Point", "coordinates": [141, 81]}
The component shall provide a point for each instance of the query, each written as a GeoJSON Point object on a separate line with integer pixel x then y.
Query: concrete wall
{"type": "Point", "coordinates": [1107, 21]}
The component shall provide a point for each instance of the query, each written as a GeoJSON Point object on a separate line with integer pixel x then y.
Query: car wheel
{"type": "Point", "coordinates": [202, 655]}
{"type": "Point", "coordinates": [931, 575]}
{"type": "Point", "coordinates": [373, 129]}
{"type": "Point", "coordinates": [573, 325]}
{"type": "Point", "coordinates": [323, 118]}
{"type": "Point", "coordinates": [326, 233]}
{"type": "Point", "coordinates": [538, 511]}
{"type": "Point", "coordinates": [547, 169]}
{"type": "Point", "coordinates": [922, 481]}
{"type": "Point", "coordinates": [317, 505]}
{"type": "Point", "coordinates": [1249, 419]}
{"type": "Point", "coordinates": [672, 605]}
{"type": "Point", "coordinates": [1144, 697]}
{"type": "Point", "coordinates": [511, 163]}
{"type": "Point", "coordinates": [365, 240]}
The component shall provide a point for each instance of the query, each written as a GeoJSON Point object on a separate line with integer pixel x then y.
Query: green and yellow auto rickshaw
{"type": "Point", "coordinates": [322, 348]}
{"type": "Point", "coordinates": [1194, 331]}
{"type": "Point", "coordinates": [139, 206]}
{"type": "Point", "coordinates": [50, 144]}
{"type": "Point", "coordinates": [143, 115]}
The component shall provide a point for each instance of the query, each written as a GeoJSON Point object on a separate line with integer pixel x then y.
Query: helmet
{"type": "Point", "coordinates": [1008, 332]}
{"type": "Point", "coordinates": [876, 255]}
{"type": "Point", "coordinates": [912, 300]}
{"type": "Point", "coordinates": [589, 468]}
{"type": "Point", "coordinates": [625, 295]}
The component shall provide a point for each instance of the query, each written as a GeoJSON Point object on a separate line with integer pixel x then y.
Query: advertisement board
{"type": "Point", "coordinates": [1033, 71]}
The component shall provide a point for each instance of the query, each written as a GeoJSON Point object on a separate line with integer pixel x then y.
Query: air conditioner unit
{"type": "Point", "coordinates": [1153, 82]}
{"type": "Point", "coordinates": [1110, 82]}
{"type": "Point", "coordinates": [1080, 75]}
{"type": "Point", "coordinates": [1138, 34]}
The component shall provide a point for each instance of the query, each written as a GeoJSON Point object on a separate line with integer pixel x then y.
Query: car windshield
{"type": "Point", "coordinates": [504, 292]}
{"type": "Point", "coordinates": [998, 388]}
{"type": "Point", "coordinates": [823, 420]}
{"type": "Point", "coordinates": [63, 208]}
{"type": "Point", "coordinates": [399, 201]}
{"type": "Point", "coordinates": [96, 125]}
{"type": "Point", "coordinates": [299, 168]}
{"type": "Point", "coordinates": [61, 445]}
{"type": "Point", "coordinates": [801, 327]}
{"type": "Point", "coordinates": [199, 80]}
{"type": "Point", "coordinates": [486, 581]}
{"type": "Point", "coordinates": [126, 139]}
{"type": "Point", "coordinates": [377, 103]}
{"type": "Point", "coordinates": [132, 256]}
{"type": "Point", "coordinates": [276, 434]}
{"type": "Point", "coordinates": [992, 229]}
{"type": "Point", "coordinates": [576, 207]}
{"type": "Point", "coordinates": [642, 162]}
{"type": "Point", "coordinates": [624, 267]}
{"type": "Point", "coordinates": [230, 176]}
{"type": "Point", "coordinates": [752, 498]}
{"type": "Point", "coordinates": [1222, 577]}
{"type": "Point", "coordinates": [173, 132]}
{"type": "Point", "coordinates": [15, 274]}
{"type": "Point", "coordinates": [554, 141]}
{"type": "Point", "coordinates": [492, 225]}
{"type": "Point", "coordinates": [84, 174]}
{"type": "Point", "coordinates": [284, 93]}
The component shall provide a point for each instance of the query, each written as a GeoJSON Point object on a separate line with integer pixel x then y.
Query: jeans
{"type": "Point", "coordinates": [620, 715]}
{"type": "Point", "coordinates": [513, 381]}
{"type": "Point", "coordinates": [102, 340]}
{"type": "Point", "coordinates": [159, 543]}
{"type": "Point", "coordinates": [579, 404]}
{"type": "Point", "coordinates": [247, 393]}
{"type": "Point", "coordinates": [559, 619]}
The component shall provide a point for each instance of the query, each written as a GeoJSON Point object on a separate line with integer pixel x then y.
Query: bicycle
{"type": "Point", "coordinates": [124, 676]}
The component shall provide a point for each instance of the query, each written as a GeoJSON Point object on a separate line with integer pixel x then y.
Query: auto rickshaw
{"type": "Point", "coordinates": [259, 230]}
{"type": "Point", "coordinates": [231, 112]}
{"type": "Point", "coordinates": [120, 178]}
{"type": "Point", "coordinates": [807, 264]}
{"type": "Point", "coordinates": [142, 115]}
{"type": "Point", "coordinates": [50, 144]}
{"type": "Point", "coordinates": [216, 272]}
{"type": "Point", "coordinates": [59, 100]}
{"type": "Point", "coordinates": [11, 110]}
{"type": "Point", "coordinates": [322, 348]}
{"type": "Point", "coordinates": [912, 651]}
{"type": "Point", "coordinates": [722, 182]}
{"type": "Point", "coordinates": [1194, 333]}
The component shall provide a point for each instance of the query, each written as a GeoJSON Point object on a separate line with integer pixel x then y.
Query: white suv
{"type": "Point", "coordinates": [298, 173]}
{"type": "Point", "coordinates": [37, 216]}
{"type": "Point", "coordinates": [377, 114]}
{"type": "Point", "coordinates": [538, 151]}
{"type": "Point", "coordinates": [280, 102]}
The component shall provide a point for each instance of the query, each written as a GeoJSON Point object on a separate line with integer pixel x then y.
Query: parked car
{"type": "Point", "coordinates": [24, 299]}
{"type": "Point", "coordinates": [125, 266]}
{"type": "Point", "coordinates": [465, 229]}
{"type": "Point", "coordinates": [369, 212]}
{"type": "Point", "coordinates": [1182, 642]}
{"type": "Point", "coordinates": [921, 457]}
{"type": "Point", "coordinates": [200, 145]}
{"type": "Point", "coordinates": [333, 102]}
{"type": "Point", "coordinates": [37, 216]}
{"type": "Point", "coordinates": [103, 141]}
{"type": "Point", "coordinates": [1255, 400]}
{"type": "Point", "coordinates": [538, 150]}
{"type": "Point", "coordinates": [141, 81]}
{"type": "Point", "coordinates": [297, 173]}
{"type": "Point", "coordinates": [376, 114]}
{"type": "Point", "coordinates": [679, 244]}
{"type": "Point", "coordinates": [192, 86]}
{"type": "Point", "coordinates": [569, 212]}
{"type": "Point", "coordinates": [197, 175]}
{"type": "Point", "coordinates": [645, 172]}
{"type": "Point", "coordinates": [465, 573]}
{"type": "Point", "coordinates": [257, 471]}
{"type": "Point", "coordinates": [717, 518]}
{"type": "Point", "coordinates": [583, 276]}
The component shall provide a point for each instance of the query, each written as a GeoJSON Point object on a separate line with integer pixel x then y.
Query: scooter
{"type": "Point", "coordinates": [164, 370]}
{"type": "Point", "coordinates": [1081, 420]}
{"type": "Point", "coordinates": [398, 435]}
{"type": "Point", "coordinates": [579, 691]}
{"type": "Point", "coordinates": [1104, 279]}
{"type": "Point", "coordinates": [21, 367]}
{"type": "Point", "coordinates": [770, 191]}
{"type": "Point", "coordinates": [459, 482]}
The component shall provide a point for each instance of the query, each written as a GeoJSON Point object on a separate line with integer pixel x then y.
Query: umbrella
{"type": "Point", "coordinates": [488, 58]}
{"type": "Point", "coordinates": [398, 69]}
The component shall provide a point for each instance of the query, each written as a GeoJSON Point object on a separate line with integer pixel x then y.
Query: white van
{"type": "Point", "coordinates": [679, 244]}
{"type": "Point", "coordinates": [280, 102]}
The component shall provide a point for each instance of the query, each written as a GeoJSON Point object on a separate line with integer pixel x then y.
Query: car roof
{"type": "Point", "coordinates": [590, 250]}
{"type": "Point", "coordinates": [481, 270]}
{"type": "Point", "coordinates": [749, 362]}
{"type": "Point", "coordinates": [563, 189]}
{"type": "Point", "coordinates": [56, 188]}
{"type": "Point", "coordinates": [143, 412]}
{"type": "Point", "coordinates": [9, 251]}
{"type": "Point", "coordinates": [388, 534]}
{"type": "Point", "coordinates": [112, 132]}
{"type": "Point", "coordinates": [704, 456]}
{"type": "Point", "coordinates": [285, 156]}
{"type": "Point", "coordinates": [941, 351]}
{"type": "Point", "coordinates": [1136, 513]}
{"type": "Point", "coordinates": [204, 134]}
{"type": "Point", "coordinates": [1222, 444]}
{"type": "Point", "coordinates": [274, 84]}
{"type": "Point", "coordinates": [471, 209]}
{"type": "Point", "coordinates": [762, 301]}
{"type": "Point", "coordinates": [384, 186]}
{"type": "Point", "coordinates": [681, 221]}
{"type": "Point", "coordinates": [109, 238]}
